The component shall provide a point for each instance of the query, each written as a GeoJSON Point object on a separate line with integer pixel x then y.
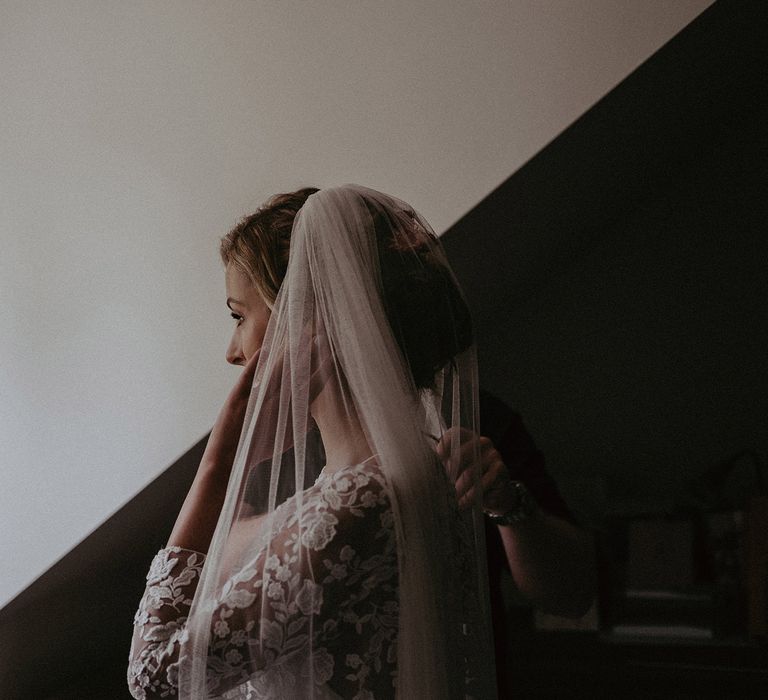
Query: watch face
{"type": "Point", "coordinates": [523, 507]}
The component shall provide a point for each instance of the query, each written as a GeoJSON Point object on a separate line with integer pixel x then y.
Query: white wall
{"type": "Point", "coordinates": [134, 134]}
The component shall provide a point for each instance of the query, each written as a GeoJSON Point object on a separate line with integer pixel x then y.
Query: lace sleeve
{"type": "Point", "coordinates": [158, 626]}
{"type": "Point", "coordinates": [326, 592]}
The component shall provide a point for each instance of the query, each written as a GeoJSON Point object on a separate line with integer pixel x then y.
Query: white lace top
{"type": "Point", "coordinates": [347, 613]}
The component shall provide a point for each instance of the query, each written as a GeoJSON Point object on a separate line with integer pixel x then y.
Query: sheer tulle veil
{"type": "Point", "coordinates": [369, 317]}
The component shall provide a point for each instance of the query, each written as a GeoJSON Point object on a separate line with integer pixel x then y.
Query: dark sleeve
{"type": "Point", "coordinates": [523, 459]}
{"type": "Point", "coordinates": [526, 463]}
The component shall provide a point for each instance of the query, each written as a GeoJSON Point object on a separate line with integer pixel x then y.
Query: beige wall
{"type": "Point", "coordinates": [134, 134]}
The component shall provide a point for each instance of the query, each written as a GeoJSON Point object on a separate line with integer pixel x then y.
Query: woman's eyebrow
{"type": "Point", "coordinates": [231, 301]}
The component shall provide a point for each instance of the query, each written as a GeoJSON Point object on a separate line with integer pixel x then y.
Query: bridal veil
{"type": "Point", "coordinates": [369, 316]}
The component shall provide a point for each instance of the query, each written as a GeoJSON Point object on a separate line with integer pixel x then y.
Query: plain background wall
{"type": "Point", "coordinates": [135, 134]}
{"type": "Point", "coordinates": [642, 367]}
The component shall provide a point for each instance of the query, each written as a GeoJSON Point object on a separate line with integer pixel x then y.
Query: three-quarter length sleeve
{"type": "Point", "coordinates": [159, 623]}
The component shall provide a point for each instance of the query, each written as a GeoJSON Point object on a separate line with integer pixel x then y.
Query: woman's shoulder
{"type": "Point", "coordinates": [360, 486]}
{"type": "Point", "coordinates": [347, 506]}
{"type": "Point", "coordinates": [354, 476]}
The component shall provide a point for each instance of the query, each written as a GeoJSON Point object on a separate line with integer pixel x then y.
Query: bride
{"type": "Point", "coordinates": [321, 552]}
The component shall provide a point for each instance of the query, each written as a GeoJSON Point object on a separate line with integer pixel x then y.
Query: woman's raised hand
{"type": "Point", "coordinates": [472, 459]}
{"type": "Point", "coordinates": [222, 444]}
{"type": "Point", "coordinates": [198, 516]}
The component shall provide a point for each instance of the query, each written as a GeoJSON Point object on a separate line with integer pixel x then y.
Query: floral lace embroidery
{"type": "Point", "coordinates": [159, 622]}
{"type": "Point", "coordinates": [330, 586]}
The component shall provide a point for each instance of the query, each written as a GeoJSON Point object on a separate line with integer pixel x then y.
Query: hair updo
{"type": "Point", "coordinates": [425, 308]}
{"type": "Point", "coordinates": [258, 246]}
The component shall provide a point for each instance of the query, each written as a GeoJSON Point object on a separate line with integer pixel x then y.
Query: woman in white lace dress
{"type": "Point", "coordinates": [320, 552]}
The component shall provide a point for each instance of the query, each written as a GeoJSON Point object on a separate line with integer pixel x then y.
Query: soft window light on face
{"type": "Point", "coordinates": [250, 314]}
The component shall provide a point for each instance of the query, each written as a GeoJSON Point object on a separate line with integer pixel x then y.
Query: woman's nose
{"type": "Point", "coordinates": [235, 352]}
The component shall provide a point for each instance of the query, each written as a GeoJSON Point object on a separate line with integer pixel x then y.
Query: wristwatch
{"type": "Point", "coordinates": [523, 507]}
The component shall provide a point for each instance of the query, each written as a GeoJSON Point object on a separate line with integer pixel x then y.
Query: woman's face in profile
{"type": "Point", "coordinates": [251, 315]}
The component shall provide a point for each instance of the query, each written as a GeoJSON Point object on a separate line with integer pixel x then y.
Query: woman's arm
{"type": "Point", "coordinates": [288, 604]}
{"type": "Point", "coordinates": [198, 516]}
{"type": "Point", "coordinates": [159, 623]}
{"type": "Point", "coordinates": [552, 561]}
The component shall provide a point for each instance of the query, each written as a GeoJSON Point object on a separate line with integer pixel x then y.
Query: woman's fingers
{"type": "Point", "coordinates": [225, 435]}
{"type": "Point", "coordinates": [493, 474]}
{"type": "Point", "coordinates": [465, 482]}
{"type": "Point", "coordinates": [467, 499]}
{"type": "Point", "coordinates": [457, 449]}
{"type": "Point", "coordinates": [452, 440]}
{"type": "Point", "coordinates": [498, 494]}
{"type": "Point", "coordinates": [476, 449]}
{"type": "Point", "coordinates": [474, 463]}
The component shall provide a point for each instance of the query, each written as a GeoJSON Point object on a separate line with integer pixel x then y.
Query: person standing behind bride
{"type": "Point", "coordinates": [321, 552]}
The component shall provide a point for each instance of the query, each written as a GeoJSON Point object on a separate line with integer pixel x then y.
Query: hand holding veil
{"type": "Point", "coordinates": [341, 565]}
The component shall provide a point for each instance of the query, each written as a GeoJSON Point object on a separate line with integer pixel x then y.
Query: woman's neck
{"type": "Point", "coordinates": [343, 438]}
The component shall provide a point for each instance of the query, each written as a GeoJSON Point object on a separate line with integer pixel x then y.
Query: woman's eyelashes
{"type": "Point", "coordinates": [237, 317]}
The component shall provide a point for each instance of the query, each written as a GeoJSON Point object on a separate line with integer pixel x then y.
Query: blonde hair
{"type": "Point", "coordinates": [259, 245]}
{"type": "Point", "coordinates": [426, 310]}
